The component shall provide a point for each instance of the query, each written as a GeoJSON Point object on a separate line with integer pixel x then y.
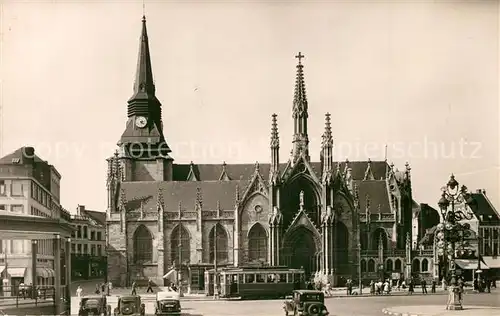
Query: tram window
{"type": "Point", "coordinates": [249, 278]}
{"type": "Point", "coordinates": [270, 278]}
{"type": "Point", "coordinates": [242, 278]}
{"type": "Point", "coordinates": [296, 277]}
{"type": "Point", "coordinates": [261, 278]}
{"type": "Point", "coordinates": [282, 278]}
{"type": "Point", "coordinates": [228, 279]}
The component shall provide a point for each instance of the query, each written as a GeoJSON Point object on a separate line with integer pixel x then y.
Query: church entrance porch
{"type": "Point", "coordinates": [301, 251]}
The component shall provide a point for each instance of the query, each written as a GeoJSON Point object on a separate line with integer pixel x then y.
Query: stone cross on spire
{"type": "Point", "coordinates": [299, 57]}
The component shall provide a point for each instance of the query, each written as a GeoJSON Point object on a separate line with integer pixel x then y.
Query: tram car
{"type": "Point", "coordinates": [255, 282]}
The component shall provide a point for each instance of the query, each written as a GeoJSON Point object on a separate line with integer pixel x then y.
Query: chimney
{"type": "Point", "coordinates": [80, 209]}
{"type": "Point", "coordinates": [479, 191]}
{"type": "Point", "coordinates": [484, 191]}
{"type": "Point", "coordinates": [28, 155]}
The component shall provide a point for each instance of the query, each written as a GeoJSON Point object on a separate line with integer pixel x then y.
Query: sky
{"type": "Point", "coordinates": [418, 76]}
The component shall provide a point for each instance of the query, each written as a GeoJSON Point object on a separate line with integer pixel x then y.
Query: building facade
{"type": "Point", "coordinates": [328, 217]}
{"type": "Point", "coordinates": [478, 252]}
{"type": "Point", "coordinates": [88, 244]}
{"type": "Point", "coordinates": [29, 186]}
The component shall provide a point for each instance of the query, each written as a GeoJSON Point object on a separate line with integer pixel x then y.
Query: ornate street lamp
{"type": "Point", "coordinates": [451, 232]}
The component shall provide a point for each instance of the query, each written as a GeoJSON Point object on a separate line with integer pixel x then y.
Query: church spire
{"type": "Point", "coordinates": [144, 87]}
{"type": "Point", "coordinates": [300, 114]}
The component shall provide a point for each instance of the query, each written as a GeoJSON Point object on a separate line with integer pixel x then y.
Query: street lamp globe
{"type": "Point", "coordinates": [452, 183]}
{"type": "Point", "coordinates": [443, 202]}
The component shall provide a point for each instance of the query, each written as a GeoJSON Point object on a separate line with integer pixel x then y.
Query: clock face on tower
{"type": "Point", "coordinates": [141, 121]}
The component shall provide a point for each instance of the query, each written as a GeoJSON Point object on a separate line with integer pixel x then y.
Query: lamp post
{"type": "Point", "coordinates": [451, 232]}
{"type": "Point", "coordinates": [216, 285]}
{"type": "Point", "coordinates": [359, 270]}
{"type": "Point", "coordinates": [179, 251]}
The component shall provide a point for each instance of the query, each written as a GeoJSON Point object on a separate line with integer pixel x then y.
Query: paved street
{"type": "Point", "coordinates": [345, 306]}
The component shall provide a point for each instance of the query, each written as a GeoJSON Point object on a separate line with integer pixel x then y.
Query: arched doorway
{"type": "Point", "coordinates": [300, 250]}
{"type": "Point", "coordinates": [290, 200]}
{"type": "Point", "coordinates": [341, 247]}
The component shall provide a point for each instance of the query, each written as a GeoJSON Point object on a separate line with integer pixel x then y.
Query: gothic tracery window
{"type": "Point", "coordinates": [218, 235]}
{"type": "Point", "coordinates": [257, 243]}
{"type": "Point", "coordinates": [143, 245]}
{"type": "Point", "coordinates": [180, 233]}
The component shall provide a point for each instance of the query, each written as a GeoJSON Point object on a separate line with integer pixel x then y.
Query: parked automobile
{"type": "Point", "coordinates": [305, 303]}
{"type": "Point", "coordinates": [130, 305]}
{"type": "Point", "coordinates": [167, 303]}
{"type": "Point", "coordinates": [94, 305]}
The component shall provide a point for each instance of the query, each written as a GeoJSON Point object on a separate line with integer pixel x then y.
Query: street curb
{"type": "Point", "coordinates": [388, 312]}
{"type": "Point", "coordinates": [395, 294]}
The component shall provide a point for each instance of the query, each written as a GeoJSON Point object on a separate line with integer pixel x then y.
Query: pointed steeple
{"type": "Point", "coordinates": [327, 150]}
{"type": "Point", "coordinates": [275, 151]}
{"type": "Point", "coordinates": [144, 87]}
{"type": "Point", "coordinates": [300, 114]}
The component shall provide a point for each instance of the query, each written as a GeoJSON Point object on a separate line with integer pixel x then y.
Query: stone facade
{"type": "Point", "coordinates": [323, 216]}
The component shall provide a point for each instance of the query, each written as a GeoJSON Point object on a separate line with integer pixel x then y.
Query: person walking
{"type": "Point", "coordinates": [372, 287]}
{"type": "Point", "coordinates": [433, 286]}
{"type": "Point", "coordinates": [424, 286]}
{"type": "Point", "coordinates": [134, 288]}
{"type": "Point", "coordinates": [410, 286]}
{"type": "Point", "coordinates": [79, 291]}
{"type": "Point", "coordinates": [150, 286]}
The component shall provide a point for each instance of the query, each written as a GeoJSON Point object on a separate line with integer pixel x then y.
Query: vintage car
{"type": "Point", "coordinates": [167, 303]}
{"type": "Point", "coordinates": [94, 305]}
{"type": "Point", "coordinates": [305, 303]}
{"type": "Point", "coordinates": [130, 305]}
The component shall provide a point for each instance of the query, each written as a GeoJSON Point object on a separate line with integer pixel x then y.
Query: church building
{"type": "Point", "coordinates": [335, 218]}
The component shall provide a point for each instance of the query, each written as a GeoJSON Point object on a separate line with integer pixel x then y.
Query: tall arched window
{"type": "Point", "coordinates": [371, 265]}
{"type": "Point", "coordinates": [416, 265]}
{"type": "Point", "coordinates": [388, 265]}
{"type": "Point", "coordinates": [143, 245]}
{"type": "Point", "coordinates": [397, 265]}
{"type": "Point", "coordinates": [180, 233]}
{"type": "Point", "coordinates": [425, 265]}
{"type": "Point", "coordinates": [218, 234]}
{"type": "Point", "coordinates": [379, 238]}
{"type": "Point", "coordinates": [363, 265]}
{"type": "Point", "coordinates": [257, 243]}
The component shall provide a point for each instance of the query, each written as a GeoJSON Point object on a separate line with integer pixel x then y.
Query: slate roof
{"type": "Point", "coordinates": [18, 154]}
{"type": "Point", "coordinates": [377, 191]}
{"type": "Point", "coordinates": [485, 209]}
{"type": "Point", "coordinates": [212, 172]}
{"type": "Point", "coordinates": [145, 193]}
{"type": "Point", "coordinates": [99, 217]}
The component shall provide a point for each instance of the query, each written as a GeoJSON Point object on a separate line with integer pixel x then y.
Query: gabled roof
{"type": "Point", "coordinates": [19, 154]}
{"type": "Point", "coordinates": [212, 172]}
{"type": "Point", "coordinates": [99, 217]}
{"type": "Point", "coordinates": [484, 209]}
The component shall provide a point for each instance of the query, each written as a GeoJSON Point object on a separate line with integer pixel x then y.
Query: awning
{"type": "Point", "coordinates": [470, 264]}
{"type": "Point", "coordinates": [171, 275]}
{"type": "Point", "coordinates": [492, 262]}
{"type": "Point", "coordinates": [45, 273]}
{"type": "Point", "coordinates": [15, 272]}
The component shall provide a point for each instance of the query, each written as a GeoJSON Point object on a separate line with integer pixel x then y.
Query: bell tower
{"type": "Point", "coordinates": [144, 153]}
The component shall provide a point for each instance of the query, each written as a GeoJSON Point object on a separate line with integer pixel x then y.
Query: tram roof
{"type": "Point", "coordinates": [258, 268]}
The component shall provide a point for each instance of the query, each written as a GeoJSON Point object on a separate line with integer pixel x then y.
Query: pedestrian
{"type": "Point", "coordinates": [424, 286]}
{"type": "Point", "coordinates": [97, 291]}
{"type": "Point", "coordinates": [410, 286]}
{"type": "Point", "coordinates": [372, 287]}
{"type": "Point", "coordinates": [150, 286]}
{"type": "Point", "coordinates": [433, 286]}
{"type": "Point", "coordinates": [134, 288]}
{"type": "Point", "coordinates": [349, 287]}
{"type": "Point", "coordinates": [79, 291]}
{"type": "Point", "coordinates": [488, 286]}
{"type": "Point", "coordinates": [386, 287]}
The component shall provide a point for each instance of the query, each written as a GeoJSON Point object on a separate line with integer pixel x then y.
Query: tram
{"type": "Point", "coordinates": [255, 282]}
